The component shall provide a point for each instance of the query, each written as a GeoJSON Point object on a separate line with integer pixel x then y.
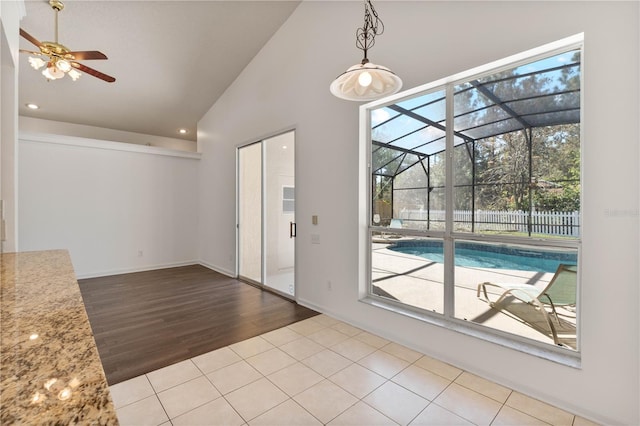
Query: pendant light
{"type": "Point", "coordinates": [366, 81]}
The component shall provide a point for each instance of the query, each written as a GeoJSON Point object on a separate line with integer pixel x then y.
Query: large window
{"type": "Point", "coordinates": [474, 215]}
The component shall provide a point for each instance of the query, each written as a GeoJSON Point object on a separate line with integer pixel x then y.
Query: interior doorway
{"type": "Point", "coordinates": [266, 213]}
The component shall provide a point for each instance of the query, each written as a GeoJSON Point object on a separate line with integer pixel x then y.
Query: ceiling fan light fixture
{"type": "Point", "coordinates": [63, 65]}
{"type": "Point", "coordinates": [60, 59]}
{"type": "Point", "coordinates": [36, 63]}
{"type": "Point", "coordinates": [52, 72]}
{"type": "Point", "coordinates": [366, 81]}
{"type": "Point", "coordinates": [74, 74]}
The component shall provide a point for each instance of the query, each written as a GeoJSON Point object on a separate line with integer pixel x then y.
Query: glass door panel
{"type": "Point", "coordinates": [250, 212]}
{"type": "Point", "coordinates": [279, 195]}
{"type": "Point", "coordinates": [266, 213]}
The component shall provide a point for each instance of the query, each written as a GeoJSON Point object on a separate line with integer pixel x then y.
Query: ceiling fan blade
{"type": "Point", "coordinates": [31, 52]}
{"type": "Point", "coordinates": [93, 72]}
{"type": "Point", "coordinates": [88, 54]}
{"type": "Point", "coordinates": [29, 37]}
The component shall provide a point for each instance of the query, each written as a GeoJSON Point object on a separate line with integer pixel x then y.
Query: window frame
{"type": "Point", "coordinates": [449, 236]}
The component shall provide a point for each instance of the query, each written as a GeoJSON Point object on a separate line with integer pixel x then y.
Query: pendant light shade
{"type": "Point", "coordinates": [366, 81]}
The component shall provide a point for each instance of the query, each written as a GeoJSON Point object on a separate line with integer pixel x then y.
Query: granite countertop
{"type": "Point", "coordinates": [49, 365]}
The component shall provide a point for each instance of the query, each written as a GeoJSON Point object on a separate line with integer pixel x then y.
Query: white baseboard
{"type": "Point", "coordinates": [110, 272]}
{"type": "Point", "coordinates": [135, 269]}
{"type": "Point", "coordinates": [230, 274]}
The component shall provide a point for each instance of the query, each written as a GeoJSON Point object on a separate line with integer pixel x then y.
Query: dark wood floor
{"type": "Point", "coordinates": [147, 320]}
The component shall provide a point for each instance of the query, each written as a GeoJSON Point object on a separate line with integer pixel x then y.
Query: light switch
{"type": "Point", "coordinates": [314, 219]}
{"type": "Point", "coordinates": [315, 239]}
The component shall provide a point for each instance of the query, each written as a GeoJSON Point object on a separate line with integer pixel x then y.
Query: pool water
{"type": "Point", "coordinates": [478, 255]}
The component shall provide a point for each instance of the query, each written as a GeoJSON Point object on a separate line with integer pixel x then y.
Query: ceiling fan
{"type": "Point", "coordinates": [59, 60]}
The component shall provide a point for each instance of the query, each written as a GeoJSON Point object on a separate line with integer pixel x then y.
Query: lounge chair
{"type": "Point", "coordinates": [561, 291]}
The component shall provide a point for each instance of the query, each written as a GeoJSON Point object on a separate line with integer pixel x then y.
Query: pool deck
{"type": "Point", "coordinates": [417, 281]}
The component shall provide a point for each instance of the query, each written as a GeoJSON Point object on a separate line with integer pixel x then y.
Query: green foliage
{"type": "Point", "coordinates": [525, 169]}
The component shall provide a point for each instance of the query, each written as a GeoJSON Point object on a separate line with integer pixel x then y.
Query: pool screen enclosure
{"type": "Point", "coordinates": [504, 126]}
{"type": "Point", "coordinates": [488, 159]}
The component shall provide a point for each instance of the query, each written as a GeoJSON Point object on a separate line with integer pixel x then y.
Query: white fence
{"type": "Point", "coordinates": [550, 223]}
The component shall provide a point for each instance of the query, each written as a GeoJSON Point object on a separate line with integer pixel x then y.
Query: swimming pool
{"type": "Point", "coordinates": [492, 256]}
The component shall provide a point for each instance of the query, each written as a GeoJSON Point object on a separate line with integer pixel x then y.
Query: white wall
{"type": "Point", "coordinates": [10, 14]}
{"type": "Point", "coordinates": [38, 125]}
{"type": "Point", "coordinates": [106, 201]}
{"type": "Point", "coordinates": [287, 85]}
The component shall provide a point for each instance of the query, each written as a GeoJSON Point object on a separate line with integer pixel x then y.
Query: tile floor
{"type": "Point", "coordinates": [323, 371]}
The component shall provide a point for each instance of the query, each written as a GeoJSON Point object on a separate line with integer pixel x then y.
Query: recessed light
{"type": "Point", "coordinates": [32, 106]}
{"type": "Point", "coordinates": [183, 131]}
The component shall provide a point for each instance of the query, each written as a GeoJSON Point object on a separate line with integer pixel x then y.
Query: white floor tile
{"type": "Point", "coordinates": [289, 413]}
{"type": "Point", "coordinates": [539, 409]}
{"type": "Point", "coordinates": [147, 411]}
{"type": "Point", "coordinates": [353, 349]}
{"type": "Point", "coordinates": [187, 396]}
{"type": "Point", "coordinates": [347, 329]}
{"type": "Point", "coordinates": [256, 398]}
{"type": "Point", "coordinates": [233, 377]}
{"type": "Point", "coordinates": [383, 363]}
{"type": "Point", "coordinates": [357, 380]}
{"type": "Point", "coordinates": [510, 416]}
{"type": "Point", "coordinates": [306, 327]}
{"type": "Point", "coordinates": [371, 381]}
{"type": "Point", "coordinates": [271, 361]}
{"type": "Point", "coordinates": [468, 404]}
{"type": "Point", "coordinates": [371, 339]}
{"type": "Point", "coordinates": [215, 413]}
{"type": "Point", "coordinates": [250, 347]}
{"type": "Point", "coordinates": [295, 378]}
{"type": "Point", "coordinates": [302, 348]}
{"type": "Point", "coordinates": [396, 402]}
{"type": "Point", "coordinates": [173, 375]}
{"type": "Point", "coordinates": [440, 368]}
{"type": "Point", "coordinates": [129, 391]}
{"type": "Point", "coordinates": [483, 386]}
{"type": "Point", "coordinates": [422, 382]}
{"type": "Point", "coordinates": [327, 337]}
{"type": "Point", "coordinates": [326, 320]}
{"type": "Point", "coordinates": [281, 336]}
{"type": "Point", "coordinates": [362, 414]}
{"type": "Point", "coordinates": [434, 415]}
{"type": "Point", "coordinates": [402, 352]}
{"type": "Point", "coordinates": [325, 401]}
{"type": "Point", "coordinates": [216, 360]}
{"type": "Point", "coordinates": [327, 362]}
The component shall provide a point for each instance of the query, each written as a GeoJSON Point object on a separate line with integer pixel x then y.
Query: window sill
{"type": "Point", "coordinates": [551, 353]}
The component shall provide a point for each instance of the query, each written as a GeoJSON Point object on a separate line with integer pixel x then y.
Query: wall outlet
{"type": "Point", "coordinates": [140, 253]}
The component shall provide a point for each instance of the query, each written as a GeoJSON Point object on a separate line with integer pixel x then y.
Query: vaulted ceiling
{"type": "Point", "coordinates": [171, 59]}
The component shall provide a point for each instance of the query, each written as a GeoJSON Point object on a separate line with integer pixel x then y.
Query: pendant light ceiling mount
{"type": "Point", "coordinates": [366, 81]}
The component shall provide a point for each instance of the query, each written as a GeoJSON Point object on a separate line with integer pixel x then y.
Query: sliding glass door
{"type": "Point", "coordinates": [266, 213]}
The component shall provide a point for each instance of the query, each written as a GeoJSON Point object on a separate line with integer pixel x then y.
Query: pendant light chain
{"type": "Point", "coordinates": [366, 81]}
{"type": "Point", "coordinates": [373, 26]}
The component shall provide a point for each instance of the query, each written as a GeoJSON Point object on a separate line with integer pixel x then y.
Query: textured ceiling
{"type": "Point", "coordinates": [171, 59]}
